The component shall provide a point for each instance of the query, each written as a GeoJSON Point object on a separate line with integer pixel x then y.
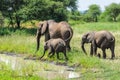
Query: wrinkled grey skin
{"type": "Point", "coordinates": [52, 30]}
{"type": "Point", "coordinates": [55, 46]}
{"type": "Point", "coordinates": [101, 39]}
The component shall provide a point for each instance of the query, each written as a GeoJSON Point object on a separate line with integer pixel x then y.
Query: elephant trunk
{"type": "Point", "coordinates": [82, 46]}
{"type": "Point", "coordinates": [38, 42]}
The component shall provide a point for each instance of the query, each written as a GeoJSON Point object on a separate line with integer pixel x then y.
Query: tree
{"type": "Point", "coordinates": [113, 10]}
{"type": "Point", "coordinates": [92, 13]}
{"type": "Point", "coordinates": [75, 15]}
{"type": "Point", "coordinates": [47, 9]}
{"type": "Point", "coordinates": [10, 8]}
{"type": "Point", "coordinates": [18, 10]}
{"type": "Point", "coordinates": [68, 3]}
{"type": "Point", "coordinates": [1, 20]}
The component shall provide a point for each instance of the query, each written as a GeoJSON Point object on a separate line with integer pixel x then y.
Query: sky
{"type": "Point", "coordinates": [84, 4]}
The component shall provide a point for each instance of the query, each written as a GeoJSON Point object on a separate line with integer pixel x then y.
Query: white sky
{"type": "Point", "coordinates": [84, 4]}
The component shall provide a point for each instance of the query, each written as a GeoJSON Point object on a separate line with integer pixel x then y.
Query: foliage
{"type": "Point", "coordinates": [105, 17]}
{"type": "Point", "coordinates": [46, 9]}
{"type": "Point", "coordinates": [118, 18]}
{"type": "Point", "coordinates": [75, 15]}
{"type": "Point", "coordinates": [22, 31]}
{"type": "Point", "coordinates": [24, 10]}
{"type": "Point", "coordinates": [10, 9]}
{"type": "Point", "coordinates": [112, 11]}
{"type": "Point", "coordinates": [1, 19]}
{"type": "Point", "coordinates": [68, 3]}
{"type": "Point", "coordinates": [92, 13]}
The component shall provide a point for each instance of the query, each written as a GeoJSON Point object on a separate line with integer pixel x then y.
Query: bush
{"type": "Point", "coordinates": [118, 18]}
{"type": "Point", "coordinates": [22, 31]}
{"type": "Point", "coordinates": [1, 19]}
{"type": "Point", "coordinates": [4, 31]}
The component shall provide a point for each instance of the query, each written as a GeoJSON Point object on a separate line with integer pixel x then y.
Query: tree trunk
{"type": "Point", "coordinates": [11, 21]}
{"type": "Point", "coordinates": [17, 17]}
{"type": "Point", "coordinates": [18, 21]}
{"type": "Point", "coordinates": [114, 19]}
{"type": "Point", "coordinates": [95, 18]}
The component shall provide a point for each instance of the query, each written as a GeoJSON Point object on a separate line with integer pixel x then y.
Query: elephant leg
{"type": "Point", "coordinates": [91, 50]}
{"type": "Point", "coordinates": [58, 55]}
{"type": "Point", "coordinates": [95, 51]}
{"type": "Point", "coordinates": [52, 54]}
{"type": "Point", "coordinates": [43, 54]}
{"type": "Point", "coordinates": [64, 52]}
{"type": "Point", "coordinates": [68, 45]}
{"type": "Point", "coordinates": [104, 53]}
{"type": "Point", "coordinates": [94, 48]}
{"type": "Point", "coordinates": [112, 52]}
{"type": "Point", "coordinates": [49, 54]}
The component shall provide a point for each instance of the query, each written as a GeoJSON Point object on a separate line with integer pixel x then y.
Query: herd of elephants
{"type": "Point", "coordinates": [59, 34]}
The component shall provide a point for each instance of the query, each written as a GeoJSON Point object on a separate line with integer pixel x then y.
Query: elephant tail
{"type": "Point", "coordinates": [68, 34]}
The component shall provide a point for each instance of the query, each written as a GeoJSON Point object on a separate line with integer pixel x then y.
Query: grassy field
{"type": "Point", "coordinates": [92, 68]}
{"type": "Point", "coordinates": [6, 73]}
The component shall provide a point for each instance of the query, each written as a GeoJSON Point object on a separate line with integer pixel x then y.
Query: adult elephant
{"type": "Point", "coordinates": [52, 29]}
{"type": "Point", "coordinates": [101, 39]}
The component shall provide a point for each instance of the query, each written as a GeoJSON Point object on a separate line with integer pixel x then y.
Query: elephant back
{"type": "Point", "coordinates": [106, 34]}
{"type": "Point", "coordinates": [60, 30]}
{"type": "Point", "coordinates": [66, 30]}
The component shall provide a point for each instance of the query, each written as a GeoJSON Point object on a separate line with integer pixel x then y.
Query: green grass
{"type": "Point", "coordinates": [17, 44]}
{"type": "Point", "coordinates": [24, 42]}
{"type": "Point", "coordinates": [6, 73]}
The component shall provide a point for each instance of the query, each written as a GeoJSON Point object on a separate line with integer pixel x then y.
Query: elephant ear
{"type": "Point", "coordinates": [44, 27]}
{"type": "Point", "coordinates": [46, 43]}
{"type": "Point", "coordinates": [85, 36]}
{"type": "Point", "coordinates": [90, 36]}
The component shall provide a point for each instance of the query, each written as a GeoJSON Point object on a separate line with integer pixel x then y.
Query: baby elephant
{"type": "Point", "coordinates": [55, 46]}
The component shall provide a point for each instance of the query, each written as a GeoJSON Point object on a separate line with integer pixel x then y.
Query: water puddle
{"type": "Point", "coordinates": [36, 67]}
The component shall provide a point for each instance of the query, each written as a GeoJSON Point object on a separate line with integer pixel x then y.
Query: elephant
{"type": "Point", "coordinates": [52, 30]}
{"type": "Point", "coordinates": [55, 46]}
{"type": "Point", "coordinates": [101, 39]}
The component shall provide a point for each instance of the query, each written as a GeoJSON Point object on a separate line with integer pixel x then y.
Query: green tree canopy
{"type": "Point", "coordinates": [36, 9]}
{"type": "Point", "coordinates": [92, 13]}
{"type": "Point", "coordinates": [48, 9]}
{"type": "Point", "coordinates": [113, 10]}
{"type": "Point", "coordinates": [10, 8]}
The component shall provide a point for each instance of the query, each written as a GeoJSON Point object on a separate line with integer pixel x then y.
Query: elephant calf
{"type": "Point", "coordinates": [101, 39]}
{"type": "Point", "coordinates": [55, 46]}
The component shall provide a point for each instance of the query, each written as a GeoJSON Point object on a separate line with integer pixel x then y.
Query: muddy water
{"type": "Point", "coordinates": [37, 67]}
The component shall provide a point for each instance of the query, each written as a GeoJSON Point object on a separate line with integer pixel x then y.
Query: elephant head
{"type": "Point", "coordinates": [42, 29]}
{"type": "Point", "coordinates": [87, 38]}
